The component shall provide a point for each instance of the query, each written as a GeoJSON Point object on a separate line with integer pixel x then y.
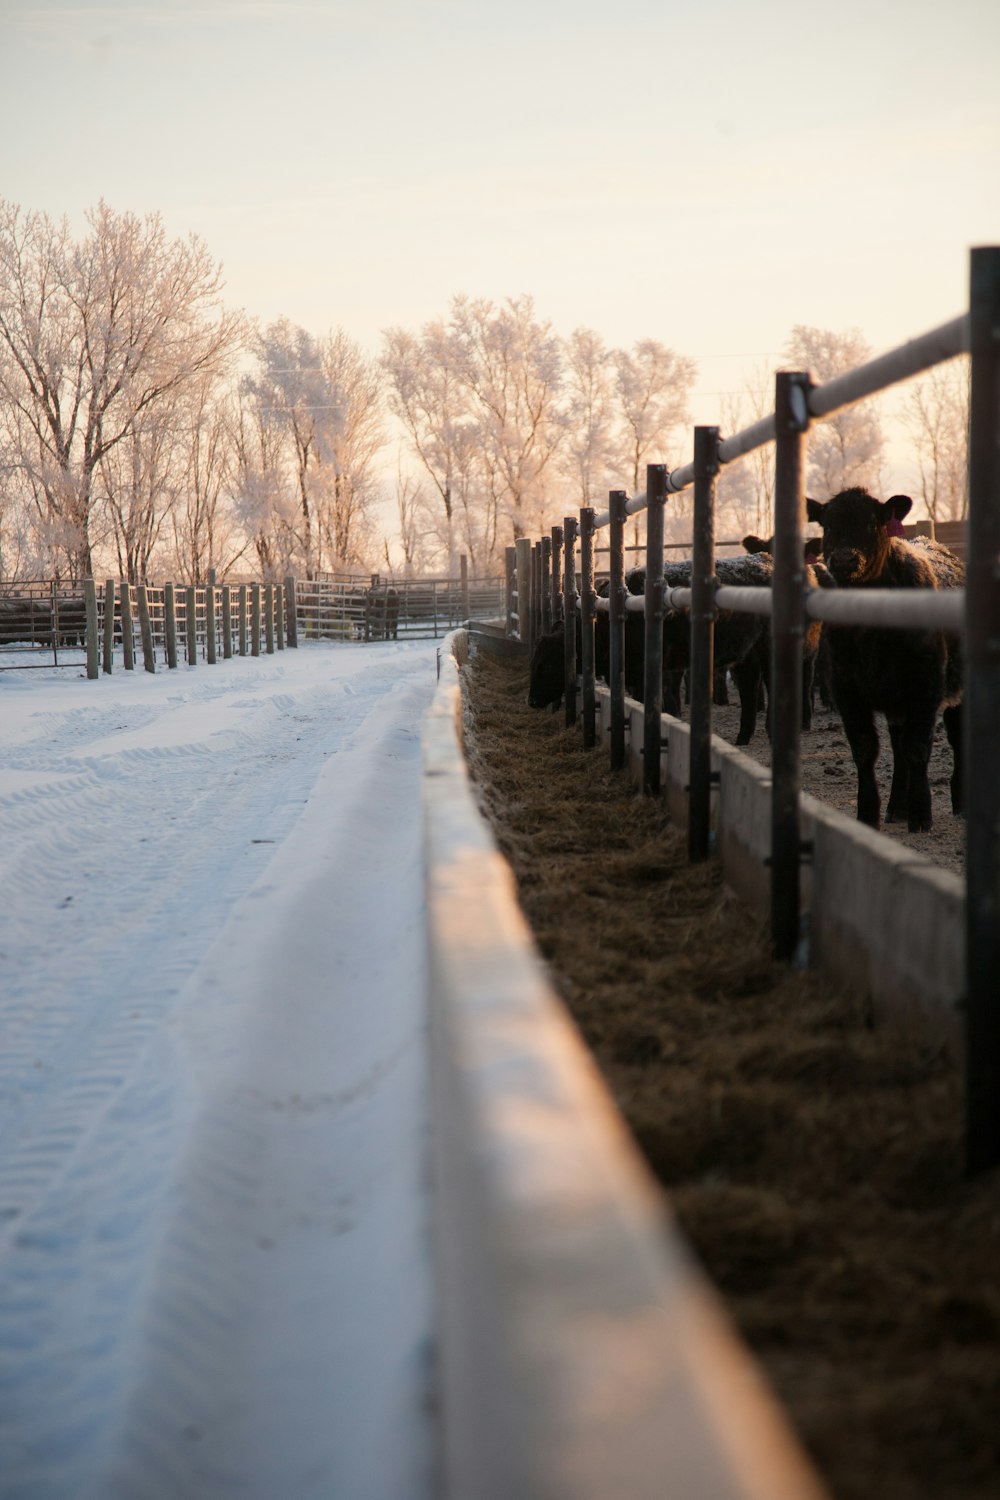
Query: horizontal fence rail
{"type": "Point", "coordinates": [912, 358]}
{"type": "Point", "coordinates": [971, 613]}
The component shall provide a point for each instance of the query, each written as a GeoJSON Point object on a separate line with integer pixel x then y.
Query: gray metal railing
{"type": "Point", "coordinates": [973, 611]}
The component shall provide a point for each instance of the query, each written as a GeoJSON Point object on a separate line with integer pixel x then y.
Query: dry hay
{"type": "Point", "coordinates": [814, 1159]}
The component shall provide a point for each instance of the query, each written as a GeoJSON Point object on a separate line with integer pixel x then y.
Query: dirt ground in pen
{"type": "Point", "coordinates": [813, 1158]}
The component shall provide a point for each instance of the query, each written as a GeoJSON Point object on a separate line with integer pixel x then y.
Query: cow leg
{"type": "Point", "coordinates": [862, 736]}
{"type": "Point", "coordinates": [808, 686]}
{"type": "Point", "coordinates": [953, 728]}
{"type": "Point", "coordinates": [746, 675]}
{"type": "Point", "coordinates": [916, 738]}
{"type": "Point", "coordinates": [672, 692]}
{"type": "Point", "coordinates": [898, 809]}
{"type": "Point", "coordinates": [720, 690]}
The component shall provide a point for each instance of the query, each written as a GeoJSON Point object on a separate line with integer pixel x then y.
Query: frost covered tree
{"type": "Point", "coordinates": [263, 499]}
{"type": "Point", "coordinates": [652, 387]}
{"type": "Point", "coordinates": [936, 415]}
{"type": "Point", "coordinates": [137, 483]}
{"type": "Point", "coordinates": [845, 449]}
{"type": "Point", "coordinates": [351, 439]}
{"type": "Point", "coordinates": [94, 335]}
{"type": "Point", "coordinates": [319, 426]}
{"type": "Point", "coordinates": [205, 529]}
{"type": "Point", "coordinates": [746, 487]}
{"type": "Point", "coordinates": [432, 403]}
{"type": "Point", "coordinates": [294, 405]}
{"type": "Point", "coordinates": [589, 415]}
{"type": "Point", "coordinates": [511, 367]}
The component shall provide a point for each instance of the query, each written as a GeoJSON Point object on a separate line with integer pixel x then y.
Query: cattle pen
{"type": "Point", "coordinates": [543, 590]}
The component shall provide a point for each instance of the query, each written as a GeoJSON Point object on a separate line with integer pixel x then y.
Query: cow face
{"type": "Point", "coordinates": [545, 684]}
{"type": "Point", "coordinates": [855, 540]}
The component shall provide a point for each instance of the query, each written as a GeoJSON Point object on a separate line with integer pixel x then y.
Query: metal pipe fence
{"type": "Point", "coordinates": [972, 613]}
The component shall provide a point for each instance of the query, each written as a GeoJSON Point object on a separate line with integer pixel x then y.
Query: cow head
{"type": "Point", "coordinates": [812, 546]}
{"type": "Point", "coordinates": [546, 680]}
{"type": "Point", "coordinates": [855, 539]}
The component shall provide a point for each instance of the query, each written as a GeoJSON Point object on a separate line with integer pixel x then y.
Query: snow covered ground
{"type": "Point", "coordinates": [214, 1263]}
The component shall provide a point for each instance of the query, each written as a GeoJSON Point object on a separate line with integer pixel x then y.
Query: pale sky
{"type": "Point", "coordinates": [703, 172]}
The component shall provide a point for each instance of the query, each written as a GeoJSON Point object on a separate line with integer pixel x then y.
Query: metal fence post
{"type": "Point", "coordinates": [791, 420]}
{"type": "Point", "coordinates": [588, 614]}
{"type": "Point", "coordinates": [536, 593]}
{"type": "Point", "coordinates": [569, 617]}
{"type": "Point", "coordinates": [656, 496]}
{"type": "Point", "coordinates": [981, 711]}
{"type": "Point", "coordinates": [523, 549]}
{"type": "Point", "coordinates": [557, 567]}
{"type": "Point", "coordinates": [510, 581]}
{"type": "Point", "coordinates": [703, 581]}
{"type": "Point", "coordinates": [616, 627]}
{"type": "Point", "coordinates": [546, 545]}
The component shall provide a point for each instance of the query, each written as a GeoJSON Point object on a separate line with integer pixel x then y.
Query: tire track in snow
{"type": "Point", "coordinates": [88, 1064]}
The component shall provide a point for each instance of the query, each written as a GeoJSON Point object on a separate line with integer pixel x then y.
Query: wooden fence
{"type": "Point", "coordinates": [542, 587]}
{"type": "Point", "coordinates": [53, 623]}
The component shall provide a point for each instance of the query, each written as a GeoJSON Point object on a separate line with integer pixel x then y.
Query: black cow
{"type": "Point", "coordinates": [548, 663]}
{"type": "Point", "coordinates": [907, 675]}
{"type": "Point", "coordinates": [815, 657]}
{"type": "Point", "coordinates": [741, 641]}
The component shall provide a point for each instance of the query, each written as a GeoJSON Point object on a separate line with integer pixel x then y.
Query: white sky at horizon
{"type": "Point", "coordinates": [708, 174]}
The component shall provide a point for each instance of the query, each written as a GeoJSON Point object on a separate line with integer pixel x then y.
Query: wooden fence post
{"type": "Point", "coordinates": [191, 597]}
{"type": "Point", "coordinates": [656, 497]}
{"type": "Point", "coordinates": [464, 566]}
{"type": "Point", "coordinates": [279, 616]}
{"type": "Point", "coordinates": [243, 619]}
{"type": "Point", "coordinates": [210, 622]}
{"type": "Point", "coordinates": [291, 623]}
{"type": "Point", "coordinates": [145, 628]}
{"type": "Point", "coordinates": [269, 618]}
{"type": "Point", "coordinates": [227, 621]}
{"type": "Point", "coordinates": [170, 624]}
{"type": "Point", "coordinates": [90, 615]}
{"type": "Point", "coordinates": [109, 626]}
{"type": "Point", "coordinates": [255, 619]}
{"type": "Point", "coordinates": [128, 639]}
{"type": "Point", "coordinates": [706, 467]}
